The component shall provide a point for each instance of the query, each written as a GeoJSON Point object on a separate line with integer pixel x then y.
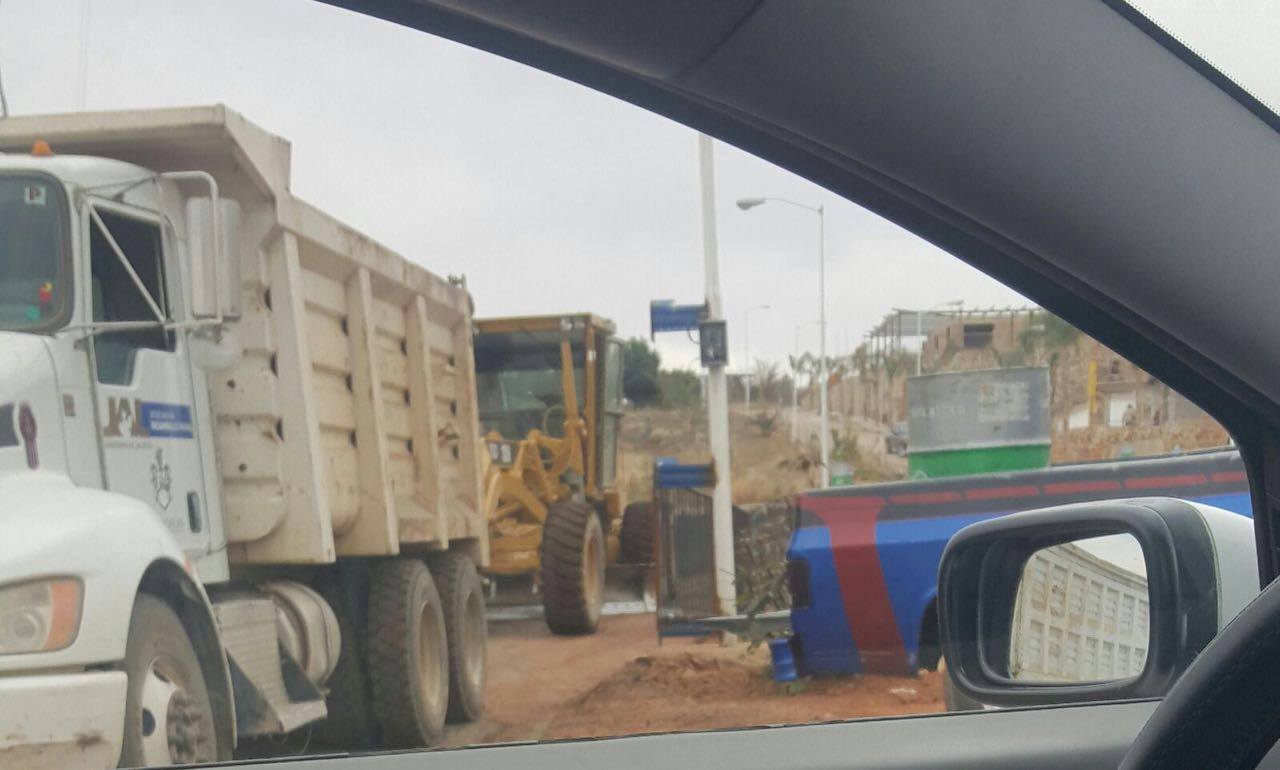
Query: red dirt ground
{"type": "Point", "coordinates": [619, 681]}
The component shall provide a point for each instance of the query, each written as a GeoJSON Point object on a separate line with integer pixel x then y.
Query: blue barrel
{"type": "Point", "coordinates": [784, 663]}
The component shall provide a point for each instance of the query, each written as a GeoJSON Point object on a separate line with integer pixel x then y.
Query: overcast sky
{"type": "Point", "coordinates": [549, 197]}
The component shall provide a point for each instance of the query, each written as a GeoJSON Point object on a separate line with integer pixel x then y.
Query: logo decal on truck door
{"type": "Point", "coordinates": [161, 480]}
{"type": "Point", "coordinates": [140, 419]}
{"type": "Point", "coordinates": [121, 418]}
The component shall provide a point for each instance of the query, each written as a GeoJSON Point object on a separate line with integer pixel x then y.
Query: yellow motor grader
{"type": "Point", "coordinates": [550, 393]}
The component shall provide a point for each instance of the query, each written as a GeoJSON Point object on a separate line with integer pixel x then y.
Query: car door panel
{"type": "Point", "coordinates": [1043, 738]}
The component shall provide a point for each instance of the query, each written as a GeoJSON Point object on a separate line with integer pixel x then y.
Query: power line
{"type": "Point", "coordinates": [82, 74]}
{"type": "Point", "coordinates": [4, 103]}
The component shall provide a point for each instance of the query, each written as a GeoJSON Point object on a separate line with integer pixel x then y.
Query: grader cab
{"type": "Point", "coordinates": [550, 393]}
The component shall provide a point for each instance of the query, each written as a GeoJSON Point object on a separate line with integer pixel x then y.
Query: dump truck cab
{"type": "Point", "coordinates": [107, 331]}
{"type": "Point", "coordinates": [106, 454]}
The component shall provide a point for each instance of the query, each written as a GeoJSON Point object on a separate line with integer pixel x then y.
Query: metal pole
{"type": "Point", "coordinates": [822, 349]}
{"type": "Point", "coordinates": [82, 70]}
{"type": "Point", "coordinates": [717, 395]}
{"type": "Point", "coordinates": [920, 338]}
{"type": "Point", "coordinates": [746, 354]}
{"type": "Point", "coordinates": [746, 349]}
{"type": "Point", "coordinates": [795, 391]}
{"type": "Point", "coordinates": [4, 102]}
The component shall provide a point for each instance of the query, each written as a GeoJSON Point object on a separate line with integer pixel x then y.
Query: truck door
{"type": "Point", "coordinates": [144, 386]}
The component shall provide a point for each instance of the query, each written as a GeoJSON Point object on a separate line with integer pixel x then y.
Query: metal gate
{"type": "Point", "coordinates": [687, 603]}
{"type": "Point", "coordinates": [686, 561]}
{"type": "Point", "coordinates": [686, 549]}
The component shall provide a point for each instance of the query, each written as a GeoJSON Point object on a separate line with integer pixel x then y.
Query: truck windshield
{"type": "Point", "coordinates": [32, 279]}
{"type": "Point", "coordinates": [516, 401]}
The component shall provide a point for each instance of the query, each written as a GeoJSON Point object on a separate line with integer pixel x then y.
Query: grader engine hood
{"type": "Point", "coordinates": [30, 421]}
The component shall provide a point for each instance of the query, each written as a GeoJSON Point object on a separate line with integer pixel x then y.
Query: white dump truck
{"type": "Point", "coordinates": [1081, 616]}
{"type": "Point", "coordinates": [239, 462]}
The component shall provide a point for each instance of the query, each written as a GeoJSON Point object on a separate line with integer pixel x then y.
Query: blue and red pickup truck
{"type": "Point", "coordinates": [862, 564]}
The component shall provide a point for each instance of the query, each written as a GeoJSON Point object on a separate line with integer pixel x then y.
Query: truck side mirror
{"type": "Point", "coordinates": [215, 262]}
{"type": "Point", "coordinates": [1094, 601]}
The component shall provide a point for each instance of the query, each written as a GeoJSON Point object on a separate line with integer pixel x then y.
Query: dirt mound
{"type": "Point", "coordinates": [716, 688]}
{"type": "Point", "coordinates": [683, 675]}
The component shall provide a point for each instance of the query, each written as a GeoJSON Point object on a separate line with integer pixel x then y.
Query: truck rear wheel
{"type": "Point", "coordinates": [639, 524]}
{"type": "Point", "coordinates": [462, 597]}
{"type": "Point", "coordinates": [572, 556]}
{"type": "Point", "coordinates": [407, 651]}
{"type": "Point", "coordinates": [168, 714]}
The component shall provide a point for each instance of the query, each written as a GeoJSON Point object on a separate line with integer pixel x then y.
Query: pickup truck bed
{"type": "Point", "coordinates": [863, 560]}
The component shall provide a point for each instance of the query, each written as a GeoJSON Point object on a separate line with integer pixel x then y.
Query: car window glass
{"type": "Point", "coordinates": [127, 265]}
{"type": "Point", "coordinates": [455, 454]}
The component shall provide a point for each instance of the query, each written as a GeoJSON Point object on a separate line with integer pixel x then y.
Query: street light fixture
{"type": "Point", "coordinates": [747, 204]}
{"type": "Point", "coordinates": [746, 344]}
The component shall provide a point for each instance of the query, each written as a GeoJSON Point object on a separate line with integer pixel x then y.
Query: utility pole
{"type": "Point", "coordinates": [746, 350]}
{"type": "Point", "coordinates": [746, 356]}
{"type": "Point", "coordinates": [82, 68]}
{"type": "Point", "coordinates": [717, 395]}
{"type": "Point", "coordinates": [825, 444]}
{"type": "Point", "coordinates": [795, 390]}
{"type": "Point", "coordinates": [920, 338]}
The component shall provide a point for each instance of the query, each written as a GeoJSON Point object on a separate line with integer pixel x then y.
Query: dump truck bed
{"type": "Point", "coordinates": [1079, 618]}
{"type": "Point", "coordinates": [349, 425]}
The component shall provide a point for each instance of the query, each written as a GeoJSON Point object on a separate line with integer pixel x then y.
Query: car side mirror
{"type": "Point", "coordinates": [1095, 601]}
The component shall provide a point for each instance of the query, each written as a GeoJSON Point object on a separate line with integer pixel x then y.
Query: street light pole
{"type": "Point", "coordinates": [746, 349]}
{"type": "Point", "coordinates": [825, 444]}
{"type": "Point", "coordinates": [825, 439]}
{"type": "Point", "coordinates": [795, 390]}
{"type": "Point", "coordinates": [717, 396]}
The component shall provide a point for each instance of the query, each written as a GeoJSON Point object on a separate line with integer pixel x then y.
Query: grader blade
{"type": "Point", "coordinates": [629, 590]}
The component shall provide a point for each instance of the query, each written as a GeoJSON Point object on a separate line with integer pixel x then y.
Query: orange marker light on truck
{"type": "Point", "coordinates": [64, 621]}
{"type": "Point", "coordinates": [41, 149]}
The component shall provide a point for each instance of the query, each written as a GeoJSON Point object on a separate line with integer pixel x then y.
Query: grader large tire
{"type": "Point", "coordinates": [639, 525]}
{"type": "Point", "coordinates": [349, 725]}
{"type": "Point", "coordinates": [462, 596]}
{"type": "Point", "coordinates": [168, 717]}
{"type": "Point", "coordinates": [407, 652]}
{"type": "Point", "coordinates": [573, 557]}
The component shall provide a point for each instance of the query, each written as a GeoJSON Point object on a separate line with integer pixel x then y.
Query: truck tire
{"type": "Point", "coordinates": [169, 717]}
{"type": "Point", "coordinates": [349, 725]}
{"type": "Point", "coordinates": [639, 528]}
{"type": "Point", "coordinates": [408, 654]}
{"type": "Point", "coordinates": [572, 556]}
{"type": "Point", "coordinates": [462, 596]}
